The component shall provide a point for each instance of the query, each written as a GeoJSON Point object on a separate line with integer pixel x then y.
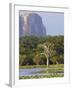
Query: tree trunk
{"type": "Point", "coordinates": [47, 62]}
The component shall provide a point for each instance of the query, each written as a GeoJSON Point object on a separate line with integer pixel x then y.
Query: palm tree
{"type": "Point", "coordinates": [48, 49]}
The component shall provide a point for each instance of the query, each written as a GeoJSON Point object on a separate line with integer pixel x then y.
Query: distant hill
{"type": "Point", "coordinates": [31, 24]}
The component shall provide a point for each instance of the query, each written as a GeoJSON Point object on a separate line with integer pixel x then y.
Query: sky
{"type": "Point", "coordinates": [53, 22]}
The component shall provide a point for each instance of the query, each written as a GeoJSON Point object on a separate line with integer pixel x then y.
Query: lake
{"type": "Point", "coordinates": [39, 71]}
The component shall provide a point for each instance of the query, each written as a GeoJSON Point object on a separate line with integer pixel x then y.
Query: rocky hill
{"type": "Point", "coordinates": [31, 24]}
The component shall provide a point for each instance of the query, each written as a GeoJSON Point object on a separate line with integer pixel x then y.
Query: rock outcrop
{"type": "Point", "coordinates": [31, 24]}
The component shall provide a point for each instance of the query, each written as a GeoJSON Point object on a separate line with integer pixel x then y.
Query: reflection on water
{"type": "Point", "coordinates": [36, 71]}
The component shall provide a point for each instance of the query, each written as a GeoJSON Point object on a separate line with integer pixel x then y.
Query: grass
{"type": "Point", "coordinates": [32, 66]}
{"type": "Point", "coordinates": [41, 66]}
{"type": "Point", "coordinates": [45, 76]}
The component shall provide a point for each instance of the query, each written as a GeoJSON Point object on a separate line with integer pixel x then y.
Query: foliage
{"type": "Point", "coordinates": [30, 53]}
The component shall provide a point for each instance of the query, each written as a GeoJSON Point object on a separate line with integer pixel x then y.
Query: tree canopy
{"type": "Point", "coordinates": [30, 52]}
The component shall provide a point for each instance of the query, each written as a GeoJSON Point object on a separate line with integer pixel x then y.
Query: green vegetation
{"type": "Point", "coordinates": [45, 76]}
{"type": "Point", "coordinates": [42, 52]}
{"type": "Point", "coordinates": [41, 66]}
{"type": "Point", "coordinates": [48, 50]}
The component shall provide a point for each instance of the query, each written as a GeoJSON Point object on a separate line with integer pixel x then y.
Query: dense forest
{"type": "Point", "coordinates": [35, 50]}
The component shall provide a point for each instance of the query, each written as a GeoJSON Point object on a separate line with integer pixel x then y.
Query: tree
{"type": "Point", "coordinates": [37, 59]}
{"type": "Point", "coordinates": [21, 59]}
{"type": "Point", "coordinates": [47, 47]}
{"type": "Point", "coordinates": [48, 50]}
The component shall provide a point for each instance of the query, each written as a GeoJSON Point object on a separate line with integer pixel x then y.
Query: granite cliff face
{"type": "Point", "coordinates": [31, 24]}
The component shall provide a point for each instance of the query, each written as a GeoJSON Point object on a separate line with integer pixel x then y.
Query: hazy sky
{"type": "Point", "coordinates": [53, 22]}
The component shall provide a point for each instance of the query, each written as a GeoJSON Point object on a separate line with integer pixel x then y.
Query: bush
{"type": "Point", "coordinates": [25, 60]}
